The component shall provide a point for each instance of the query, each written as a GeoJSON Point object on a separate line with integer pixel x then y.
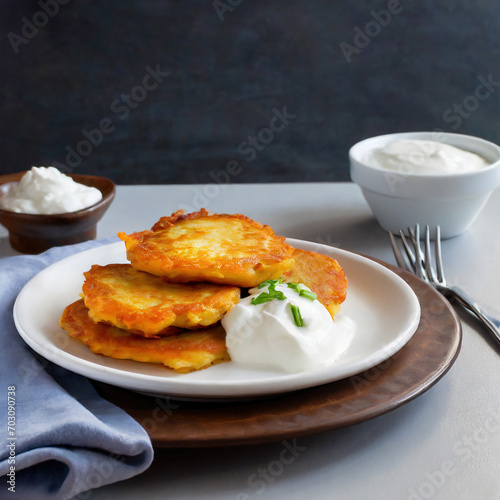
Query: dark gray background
{"type": "Point", "coordinates": [421, 70]}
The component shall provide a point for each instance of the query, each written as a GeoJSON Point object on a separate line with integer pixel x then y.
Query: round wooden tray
{"type": "Point", "coordinates": [410, 372]}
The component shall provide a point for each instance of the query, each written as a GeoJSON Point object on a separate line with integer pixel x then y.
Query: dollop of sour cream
{"type": "Point", "coordinates": [45, 190]}
{"type": "Point", "coordinates": [266, 335]}
{"type": "Point", "coordinates": [414, 156]}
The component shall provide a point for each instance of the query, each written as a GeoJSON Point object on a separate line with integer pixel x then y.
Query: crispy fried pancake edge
{"type": "Point", "coordinates": [322, 274]}
{"type": "Point", "coordinates": [133, 300]}
{"type": "Point", "coordinates": [183, 353]}
{"type": "Point", "coordinates": [230, 249]}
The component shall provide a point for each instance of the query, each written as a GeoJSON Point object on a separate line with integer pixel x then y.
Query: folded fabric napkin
{"type": "Point", "coordinates": [60, 438]}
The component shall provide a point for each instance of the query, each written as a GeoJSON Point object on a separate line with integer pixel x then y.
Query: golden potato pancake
{"type": "Point", "coordinates": [183, 352]}
{"type": "Point", "coordinates": [322, 274]}
{"type": "Point", "coordinates": [220, 248]}
{"type": "Point", "coordinates": [122, 296]}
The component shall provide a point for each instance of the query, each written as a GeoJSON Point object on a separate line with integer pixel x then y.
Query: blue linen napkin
{"type": "Point", "coordinates": [59, 437]}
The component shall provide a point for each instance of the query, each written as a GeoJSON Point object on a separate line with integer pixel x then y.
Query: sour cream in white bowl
{"type": "Point", "coordinates": [429, 178]}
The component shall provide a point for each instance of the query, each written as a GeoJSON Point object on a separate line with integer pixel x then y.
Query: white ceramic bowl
{"type": "Point", "coordinates": [401, 200]}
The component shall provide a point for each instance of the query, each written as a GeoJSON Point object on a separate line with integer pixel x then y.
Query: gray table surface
{"type": "Point", "coordinates": [445, 444]}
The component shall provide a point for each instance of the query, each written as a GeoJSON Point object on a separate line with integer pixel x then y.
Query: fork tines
{"type": "Point", "coordinates": [420, 262]}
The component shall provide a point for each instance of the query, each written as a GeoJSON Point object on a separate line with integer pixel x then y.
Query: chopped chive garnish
{"type": "Point", "coordinates": [264, 283]}
{"type": "Point", "coordinates": [260, 299]}
{"type": "Point", "coordinates": [267, 297]}
{"type": "Point", "coordinates": [302, 291]}
{"type": "Point", "coordinates": [296, 287]}
{"type": "Point", "coordinates": [272, 283]}
{"type": "Point", "coordinates": [297, 317]}
{"type": "Point", "coordinates": [308, 294]}
{"type": "Point", "coordinates": [271, 294]}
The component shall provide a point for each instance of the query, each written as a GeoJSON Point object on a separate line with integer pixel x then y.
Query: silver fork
{"type": "Point", "coordinates": [421, 265]}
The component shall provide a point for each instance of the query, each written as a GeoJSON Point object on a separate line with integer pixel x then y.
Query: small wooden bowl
{"type": "Point", "coordinates": [33, 234]}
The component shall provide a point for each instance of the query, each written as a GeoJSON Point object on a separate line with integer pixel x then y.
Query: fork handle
{"type": "Point", "coordinates": [491, 323]}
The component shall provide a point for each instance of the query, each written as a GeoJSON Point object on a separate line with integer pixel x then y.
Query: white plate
{"type": "Point", "coordinates": [385, 310]}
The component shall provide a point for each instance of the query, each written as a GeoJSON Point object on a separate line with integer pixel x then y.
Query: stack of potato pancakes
{"type": "Point", "coordinates": [184, 275]}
